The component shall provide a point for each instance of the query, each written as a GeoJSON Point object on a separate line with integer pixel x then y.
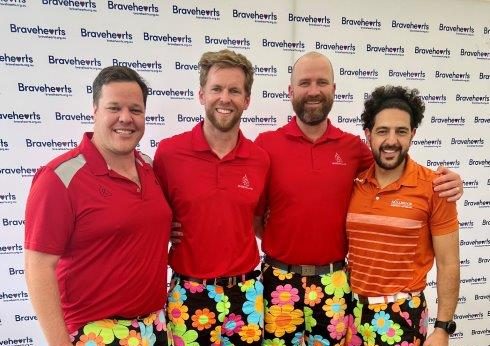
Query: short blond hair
{"type": "Point", "coordinates": [226, 59]}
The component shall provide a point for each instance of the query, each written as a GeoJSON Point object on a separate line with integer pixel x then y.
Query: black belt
{"type": "Point", "coordinates": [306, 270]}
{"type": "Point", "coordinates": [222, 281]}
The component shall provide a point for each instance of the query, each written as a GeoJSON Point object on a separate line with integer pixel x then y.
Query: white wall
{"type": "Point", "coordinates": [36, 33]}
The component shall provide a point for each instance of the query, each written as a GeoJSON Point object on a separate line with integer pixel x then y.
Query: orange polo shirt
{"type": "Point", "coordinates": [390, 231]}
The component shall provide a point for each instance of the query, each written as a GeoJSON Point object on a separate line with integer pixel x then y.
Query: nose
{"type": "Point", "coordinates": [313, 90]}
{"type": "Point", "coordinates": [392, 138]}
{"type": "Point", "coordinates": [125, 116]}
{"type": "Point", "coordinates": [225, 96]}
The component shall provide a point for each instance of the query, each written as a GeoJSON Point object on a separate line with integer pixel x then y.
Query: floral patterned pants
{"type": "Point", "coordinates": [150, 330]}
{"type": "Point", "coordinates": [401, 323]}
{"type": "Point", "coordinates": [311, 310]}
{"type": "Point", "coordinates": [203, 315]}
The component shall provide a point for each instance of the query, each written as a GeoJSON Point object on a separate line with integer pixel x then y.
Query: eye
{"type": "Point", "coordinates": [113, 108]}
{"type": "Point", "coordinates": [136, 111]}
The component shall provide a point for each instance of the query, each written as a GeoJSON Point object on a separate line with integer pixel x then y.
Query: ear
{"type": "Point", "coordinates": [201, 96]}
{"type": "Point", "coordinates": [95, 108]}
{"type": "Point", "coordinates": [247, 102]}
{"type": "Point", "coordinates": [367, 133]}
{"type": "Point", "coordinates": [290, 91]}
{"type": "Point", "coordinates": [413, 133]}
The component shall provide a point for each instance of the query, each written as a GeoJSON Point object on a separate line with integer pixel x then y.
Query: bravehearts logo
{"type": "Point", "coordinates": [481, 120]}
{"type": "Point", "coordinates": [51, 143]}
{"type": "Point", "coordinates": [274, 95]}
{"type": "Point", "coordinates": [478, 54]}
{"type": "Point", "coordinates": [4, 145]}
{"type": "Point", "coordinates": [76, 62]}
{"type": "Point", "coordinates": [8, 198]}
{"type": "Point", "coordinates": [259, 120]}
{"type": "Point", "coordinates": [108, 36]}
{"type": "Point", "coordinates": [187, 118]}
{"type": "Point", "coordinates": [255, 16]}
{"type": "Point", "coordinates": [157, 119]}
{"type": "Point", "coordinates": [288, 46]}
{"type": "Point", "coordinates": [411, 26]}
{"type": "Point", "coordinates": [11, 249]}
{"type": "Point", "coordinates": [46, 89]}
{"type": "Point", "coordinates": [73, 5]}
{"type": "Point", "coordinates": [407, 75]}
{"type": "Point", "coordinates": [341, 48]}
{"type": "Point", "coordinates": [270, 71]}
{"type": "Point", "coordinates": [27, 341]}
{"type": "Point", "coordinates": [448, 120]}
{"type": "Point", "coordinates": [433, 52]}
{"type": "Point", "coordinates": [468, 142]}
{"type": "Point", "coordinates": [453, 76]}
{"type": "Point", "coordinates": [232, 43]}
{"type": "Point", "coordinates": [351, 119]}
{"type": "Point", "coordinates": [359, 73]}
{"type": "Point", "coordinates": [175, 94]}
{"type": "Point", "coordinates": [447, 163]}
{"type": "Point", "coordinates": [146, 9]}
{"type": "Point", "coordinates": [82, 118]}
{"type": "Point", "coordinates": [41, 32]}
{"type": "Point", "coordinates": [428, 142]}
{"type": "Point", "coordinates": [458, 30]}
{"type": "Point", "coordinates": [20, 117]}
{"type": "Point", "coordinates": [362, 23]}
{"type": "Point", "coordinates": [17, 60]}
{"type": "Point", "coordinates": [429, 98]}
{"type": "Point", "coordinates": [198, 13]}
{"type": "Point", "coordinates": [181, 66]}
{"type": "Point", "coordinates": [323, 21]}
{"type": "Point", "coordinates": [385, 50]}
{"type": "Point", "coordinates": [474, 99]}
{"type": "Point", "coordinates": [13, 3]}
{"type": "Point", "coordinates": [168, 39]}
{"type": "Point", "coordinates": [141, 66]}
{"type": "Point", "coordinates": [344, 97]}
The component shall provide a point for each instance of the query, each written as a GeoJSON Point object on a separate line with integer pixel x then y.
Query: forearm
{"type": "Point", "coordinates": [45, 298]}
{"type": "Point", "coordinates": [447, 290]}
{"type": "Point", "coordinates": [259, 226]}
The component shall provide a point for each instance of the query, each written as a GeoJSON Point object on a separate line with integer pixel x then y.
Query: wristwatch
{"type": "Point", "coordinates": [449, 326]}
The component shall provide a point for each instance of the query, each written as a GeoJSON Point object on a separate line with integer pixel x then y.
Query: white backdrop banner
{"type": "Point", "coordinates": [51, 50]}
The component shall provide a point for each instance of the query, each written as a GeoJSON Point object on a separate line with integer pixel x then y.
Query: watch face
{"type": "Point", "coordinates": [451, 327]}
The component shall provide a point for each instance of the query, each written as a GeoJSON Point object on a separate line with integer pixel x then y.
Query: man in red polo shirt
{"type": "Point", "coordinates": [313, 166]}
{"type": "Point", "coordinates": [97, 229]}
{"type": "Point", "coordinates": [395, 226]}
{"type": "Point", "coordinates": [213, 178]}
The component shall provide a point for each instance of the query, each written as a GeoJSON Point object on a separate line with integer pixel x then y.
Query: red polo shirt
{"type": "Point", "coordinates": [112, 236]}
{"type": "Point", "coordinates": [214, 200]}
{"type": "Point", "coordinates": [308, 193]}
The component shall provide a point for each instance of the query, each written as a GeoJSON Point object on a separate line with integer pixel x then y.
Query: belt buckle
{"type": "Point", "coordinates": [307, 270]}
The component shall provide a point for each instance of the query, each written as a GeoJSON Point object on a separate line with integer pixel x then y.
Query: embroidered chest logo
{"type": "Point", "coordinates": [338, 160]}
{"type": "Point", "coordinates": [401, 204]}
{"type": "Point", "coordinates": [104, 191]}
{"type": "Point", "coordinates": [245, 184]}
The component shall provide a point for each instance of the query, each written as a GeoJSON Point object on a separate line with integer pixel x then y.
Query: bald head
{"type": "Point", "coordinates": [315, 59]}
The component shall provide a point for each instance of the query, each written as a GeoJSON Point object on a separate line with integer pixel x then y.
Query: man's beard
{"type": "Point", "coordinates": [402, 155]}
{"type": "Point", "coordinates": [312, 117]}
{"type": "Point", "coordinates": [223, 126]}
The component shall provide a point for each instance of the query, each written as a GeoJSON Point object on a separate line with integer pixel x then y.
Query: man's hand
{"type": "Point", "coordinates": [448, 184]}
{"type": "Point", "coordinates": [437, 338]}
{"type": "Point", "coordinates": [175, 233]}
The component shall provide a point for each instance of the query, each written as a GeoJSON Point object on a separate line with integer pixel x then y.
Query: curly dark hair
{"type": "Point", "coordinates": [398, 97]}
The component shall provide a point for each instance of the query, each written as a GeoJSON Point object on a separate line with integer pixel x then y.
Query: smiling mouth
{"type": "Point", "coordinates": [123, 131]}
{"type": "Point", "coordinates": [224, 111]}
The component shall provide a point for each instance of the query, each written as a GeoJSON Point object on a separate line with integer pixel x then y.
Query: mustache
{"type": "Point", "coordinates": [391, 147]}
{"type": "Point", "coordinates": [315, 99]}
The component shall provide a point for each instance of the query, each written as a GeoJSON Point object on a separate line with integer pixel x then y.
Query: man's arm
{"type": "Point", "coordinates": [446, 249]}
{"type": "Point", "coordinates": [259, 226]}
{"type": "Point", "coordinates": [45, 297]}
{"type": "Point", "coordinates": [448, 184]}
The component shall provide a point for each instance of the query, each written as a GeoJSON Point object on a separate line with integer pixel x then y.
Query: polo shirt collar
{"type": "Point", "coordinates": [292, 129]}
{"type": "Point", "coordinates": [199, 143]}
{"type": "Point", "coordinates": [408, 178]}
{"type": "Point", "coordinates": [94, 158]}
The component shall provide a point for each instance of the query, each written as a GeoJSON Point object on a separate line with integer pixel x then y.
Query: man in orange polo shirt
{"type": "Point", "coordinates": [396, 225]}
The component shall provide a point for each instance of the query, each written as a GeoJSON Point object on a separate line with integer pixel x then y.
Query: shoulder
{"type": "Point", "coordinates": [64, 167]}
